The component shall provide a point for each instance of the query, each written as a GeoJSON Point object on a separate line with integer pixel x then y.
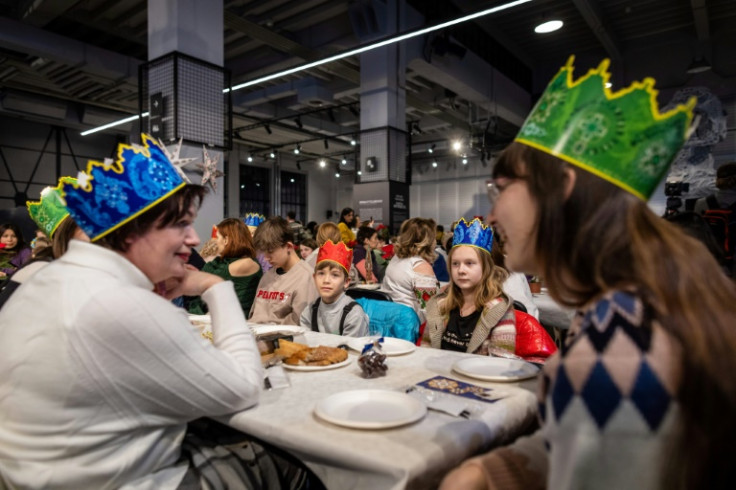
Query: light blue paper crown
{"type": "Point", "coordinates": [253, 219]}
{"type": "Point", "coordinates": [112, 193]}
{"type": "Point", "coordinates": [475, 234]}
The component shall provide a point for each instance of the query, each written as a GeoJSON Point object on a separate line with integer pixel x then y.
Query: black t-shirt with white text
{"type": "Point", "coordinates": [459, 330]}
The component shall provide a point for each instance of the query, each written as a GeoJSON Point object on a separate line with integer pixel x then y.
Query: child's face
{"type": "Point", "coordinates": [466, 268]}
{"type": "Point", "coordinates": [279, 256]}
{"type": "Point", "coordinates": [9, 238]}
{"type": "Point", "coordinates": [331, 282]}
{"type": "Point", "coordinates": [305, 251]}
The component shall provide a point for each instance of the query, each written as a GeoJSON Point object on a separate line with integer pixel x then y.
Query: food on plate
{"type": "Point", "coordinates": [296, 354]}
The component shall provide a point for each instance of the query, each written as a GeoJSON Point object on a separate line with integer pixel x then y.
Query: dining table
{"type": "Point", "coordinates": [415, 455]}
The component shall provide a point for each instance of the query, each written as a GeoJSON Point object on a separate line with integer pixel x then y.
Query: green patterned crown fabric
{"type": "Point", "coordinates": [619, 136]}
{"type": "Point", "coordinates": [50, 211]}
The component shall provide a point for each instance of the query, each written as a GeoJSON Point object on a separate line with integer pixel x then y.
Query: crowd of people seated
{"type": "Point", "coordinates": [103, 386]}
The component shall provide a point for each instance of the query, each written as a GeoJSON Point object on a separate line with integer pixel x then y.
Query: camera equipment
{"type": "Point", "coordinates": [674, 191]}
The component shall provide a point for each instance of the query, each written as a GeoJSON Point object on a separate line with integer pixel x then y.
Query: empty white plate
{"type": "Point", "coordinates": [391, 346]}
{"type": "Point", "coordinates": [495, 368]}
{"type": "Point", "coordinates": [370, 409]}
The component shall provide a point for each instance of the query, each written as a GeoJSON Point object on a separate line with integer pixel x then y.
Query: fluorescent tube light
{"type": "Point", "coordinates": [112, 124]}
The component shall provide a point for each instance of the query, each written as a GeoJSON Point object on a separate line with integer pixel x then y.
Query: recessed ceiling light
{"type": "Point", "coordinates": [549, 26]}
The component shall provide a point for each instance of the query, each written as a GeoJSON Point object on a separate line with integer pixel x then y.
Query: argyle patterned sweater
{"type": "Point", "coordinates": [607, 406]}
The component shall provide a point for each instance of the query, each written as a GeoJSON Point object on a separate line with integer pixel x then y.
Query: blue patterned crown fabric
{"type": "Point", "coordinates": [253, 219]}
{"type": "Point", "coordinates": [475, 234]}
{"type": "Point", "coordinates": [112, 193]}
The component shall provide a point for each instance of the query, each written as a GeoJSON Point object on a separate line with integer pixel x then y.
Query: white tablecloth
{"type": "Point", "coordinates": [414, 456]}
{"type": "Point", "coordinates": [551, 314]}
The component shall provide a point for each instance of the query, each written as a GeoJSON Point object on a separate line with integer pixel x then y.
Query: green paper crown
{"type": "Point", "coordinates": [621, 136]}
{"type": "Point", "coordinates": [50, 211]}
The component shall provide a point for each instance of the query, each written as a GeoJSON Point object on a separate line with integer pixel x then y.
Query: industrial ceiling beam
{"type": "Point", "coordinates": [590, 12]}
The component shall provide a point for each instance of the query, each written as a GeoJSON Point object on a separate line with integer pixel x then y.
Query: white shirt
{"type": "Point", "coordinates": [517, 287]}
{"type": "Point", "coordinates": [401, 280]}
{"type": "Point", "coordinates": [101, 375]}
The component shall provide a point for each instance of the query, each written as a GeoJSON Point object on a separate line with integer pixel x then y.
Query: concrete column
{"type": "Point", "coordinates": [382, 185]}
{"type": "Point", "coordinates": [194, 28]}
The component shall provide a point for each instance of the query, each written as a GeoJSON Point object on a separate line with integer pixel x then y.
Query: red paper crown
{"type": "Point", "coordinates": [338, 253]}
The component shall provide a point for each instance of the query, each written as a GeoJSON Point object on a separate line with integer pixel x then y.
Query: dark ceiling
{"type": "Point", "coordinates": [78, 60]}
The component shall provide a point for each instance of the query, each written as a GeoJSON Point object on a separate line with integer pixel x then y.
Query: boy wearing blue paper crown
{"type": "Point", "coordinates": [473, 315]}
{"type": "Point", "coordinates": [334, 311]}
{"type": "Point", "coordinates": [106, 374]}
{"type": "Point", "coordinates": [642, 395]}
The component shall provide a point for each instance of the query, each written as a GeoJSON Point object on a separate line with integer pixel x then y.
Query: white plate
{"type": "Point", "coordinates": [366, 286]}
{"type": "Point", "coordinates": [266, 329]}
{"type": "Point", "coordinates": [319, 368]}
{"type": "Point", "coordinates": [391, 346]}
{"type": "Point", "coordinates": [495, 368]}
{"type": "Point", "coordinates": [370, 409]}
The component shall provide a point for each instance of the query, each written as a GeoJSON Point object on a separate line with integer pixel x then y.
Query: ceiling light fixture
{"type": "Point", "coordinates": [465, 161]}
{"type": "Point", "coordinates": [699, 65]}
{"type": "Point", "coordinates": [431, 148]}
{"type": "Point", "coordinates": [297, 149]}
{"type": "Point", "coordinates": [250, 158]}
{"type": "Point", "coordinates": [457, 145]}
{"type": "Point", "coordinates": [272, 154]}
{"type": "Point", "coordinates": [345, 54]}
{"type": "Point", "coordinates": [337, 174]}
{"type": "Point", "coordinates": [378, 44]}
{"type": "Point", "coordinates": [113, 124]}
{"type": "Point", "coordinates": [322, 164]}
{"type": "Point", "coordinates": [434, 164]}
{"type": "Point", "coordinates": [352, 141]}
{"type": "Point", "coordinates": [548, 26]}
{"type": "Point", "coordinates": [344, 161]}
{"type": "Point", "coordinates": [360, 172]}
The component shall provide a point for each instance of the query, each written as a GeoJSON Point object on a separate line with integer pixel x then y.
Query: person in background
{"type": "Point", "coordinates": [106, 373]}
{"type": "Point", "coordinates": [515, 286]}
{"type": "Point", "coordinates": [253, 221]}
{"type": "Point", "coordinates": [367, 239]}
{"type": "Point", "coordinates": [307, 247]}
{"type": "Point", "coordinates": [638, 396]}
{"type": "Point", "coordinates": [381, 251]}
{"type": "Point", "coordinates": [725, 195]}
{"type": "Point", "coordinates": [473, 314]}
{"type": "Point", "coordinates": [334, 311]}
{"type": "Point", "coordinates": [345, 223]}
{"type": "Point", "coordinates": [286, 289]}
{"type": "Point", "coordinates": [13, 250]}
{"type": "Point", "coordinates": [296, 227]}
{"type": "Point", "coordinates": [312, 229]}
{"type": "Point", "coordinates": [409, 278]}
{"type": "Point", "coordinates": [235, 262]}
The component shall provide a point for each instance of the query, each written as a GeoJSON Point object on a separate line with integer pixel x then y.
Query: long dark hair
{"type": "Point", "coordinates": [602, 238]}
{"type": "Point", "coordinates": [18, 234]}
{"type": "Point", "coordinates": [345, 212]}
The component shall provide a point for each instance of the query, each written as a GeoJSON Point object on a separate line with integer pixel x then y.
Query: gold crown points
{"type": "Point", "coordinates": [647, 85]}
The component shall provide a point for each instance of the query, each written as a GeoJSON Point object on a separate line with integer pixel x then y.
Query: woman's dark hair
{"type": "Point", "coordinates": [602, 238]}
{"type": "Point", "coordinates": [63, 235]}
{"type": "Point", "coordinates": [365, 233]}
{"type": "Point", "coordinates": [18, 234]}
{"type": "Point", "coordinates": [239, 243]}
{"type": "Point", "coordinates": [312, 228]}
{"type": "Point", "coordinates": [311, 243]}
{"type": "Point", "coordinates": [273, 233]}
{"type": "Point", "coordinates": [345, 212]}
{"type": "Point", "coordinates": [162, 215]}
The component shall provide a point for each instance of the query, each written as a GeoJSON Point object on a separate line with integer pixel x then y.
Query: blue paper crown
{"type": "Point", "coordinates": [253, 219]}
{"type": "Point", "coordinates": [475, 234]}
{"type": "Point", "coordinates": [112, 193]}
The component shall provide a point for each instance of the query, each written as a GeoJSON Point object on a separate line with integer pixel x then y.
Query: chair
{"type": "Point", "coordinates": [533, 343]}
{"type": "Point", "coordinates": [356, 293]}
{"type": "Point", "coordinates": [519, 306]}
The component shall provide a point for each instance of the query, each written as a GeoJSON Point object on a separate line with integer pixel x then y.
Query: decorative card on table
{"type": "Point", "coordinates": [460, 388]}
